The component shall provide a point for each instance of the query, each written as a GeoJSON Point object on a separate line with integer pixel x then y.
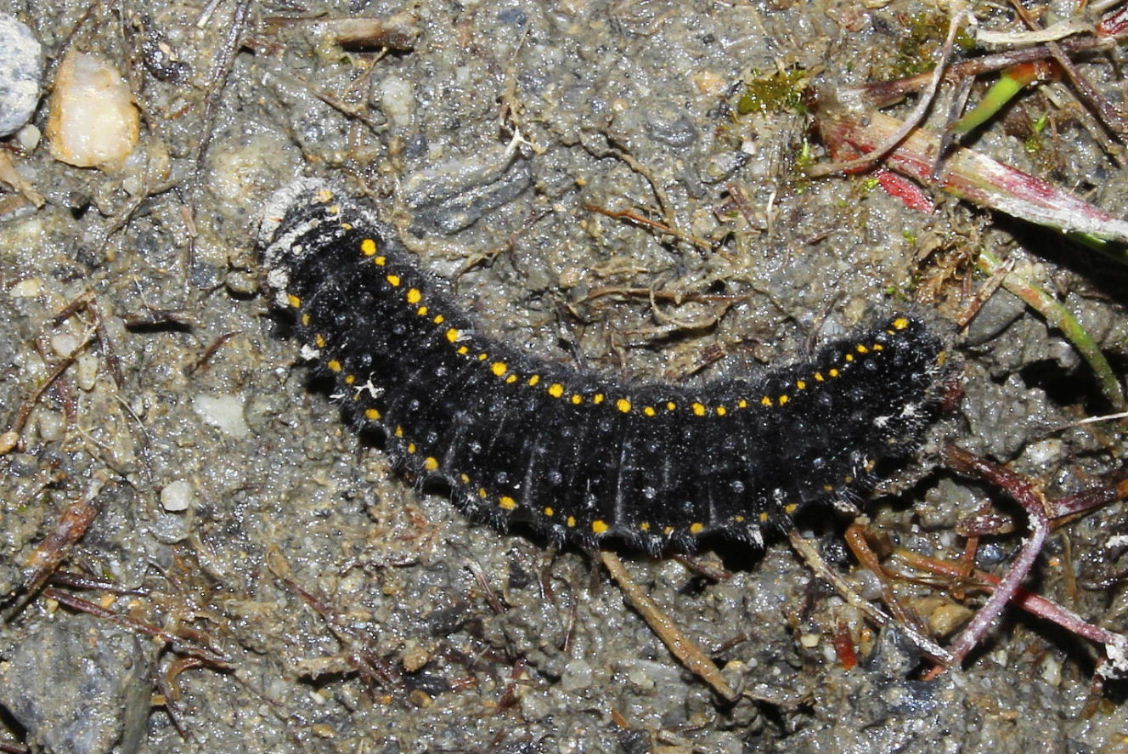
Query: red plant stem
{"type": "Point", "coordinates": [1023, 598]}
{"type": "Point", "coordinates": [1024, 493]}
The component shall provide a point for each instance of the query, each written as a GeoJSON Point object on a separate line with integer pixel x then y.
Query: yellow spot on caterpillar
{"type": "Point", "coordinates": [671, 406]}
{"type": "Point", "coordinates": [862, 348]}
{"type": "Point", "coordinates": [721, 410]}
{"type": "Point", "coordinates": [368, 247]}
{"type": "Point", "coordinates": [570, 521]}
{"type": "Point", "coordinates": [649, 411]}
{"type": "Point", "coordinates": [372, 414]}
{"type": "Point", "coordinates": [623, 405]}
{"type": "Point", "coordinates": [411, 447]}
{"type": "Point", "coordinates": [790, 508]}
{"type": "Point", "coordinates": [696, 528]}
{"type": "Point", "coordinates": [507, 503]}
{"type": "Point", "coordinates": [453, 335]}
{"type": "Point", "coordinates": [534, 380]}
{"type": "Point", "coordinates": [828, 488]}
{"type": "Point", "coordinates": [511, 379]}
{"type": "Point", "coordinates": [305, 320]}
{"type": "Point", "coordinates": [334, 365]}
{"type": "Point", "coordinates": [398, 432]}
{"type": "Point", "coordinates": [556, 390]}
{"type": "Point", "coordinates": [833, 372]}
{"type": "Point", "coordinates": [738, 519]}
{"type": "Point", "coordinates": [819, 377]}
{"type": "Point", "coordinates": [350, 379]}
{"type": "Point", "coordinates": [414, 296]}
{"type": "Point", "coordinates": [784, 400]}
{"type": "Point", "coordinates": [464, 350]}
{"type": "Point", "coordinates": [764, 518]}
{"type": "Point", "coordinates": [849, 357]}
{"type": "Point", "coordinates": [499, 368]}
{"type": "Point", "coordinates": [645, 526]}
{"type": "Point", "coordinates": [293, 300]}
{"type": "Point", "coordinates": [482, 492]}
{"type": "Point", "coordinates": [599, 527]}
{"type": "Point", "coordinates": [394, 280]}
{"type": "Point", "coordinates": [422, 311]}
{"type": "Point", "coordinates": [465, 478]}
{"type": "Point", "coordinates": [699, 409]}
{"type": "Point", "coordinates": [668, 530]}
{"type": "Point", "coordinates": [848, 479]}
{"type": "Point", "coordinates": [319, 340]}
{"type": "Point", "coordinates": [577, 399]}
{"type": "Point", "coordinates": [549, 511]}
{"type": "Point", "coordinates": [878, 347]}
{"type": "Point", "coordinates": [439, 319]}
{"type": "Point", "coordinates": [742, 403]}
{"type": "Point", "coordinates": [324, 196]}
{"type": "Point", "coordinates": [900, 323]}
{"type": "Point", "coordinates": [430, 463]}
{"type": "Point", "coordinates": [765, 401]}
{"type": "Point", "coordinates": [597, 398]}
{"type": "Point", "coordinates": [380, 261]}
{"type": "Point", "coordinates": [801, 385]}
{"type": "Point", "coordinates": [483, 356]}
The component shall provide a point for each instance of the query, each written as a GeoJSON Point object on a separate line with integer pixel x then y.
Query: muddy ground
{"type": "Point", "coordinates": [319, 602]}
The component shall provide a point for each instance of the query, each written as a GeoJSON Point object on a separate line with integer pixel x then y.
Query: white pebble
{"type": "Point", "coordinates": [177, 496]}
{"type": "Point", "coordinates": [27, 288]}
{"type": "Point", "coordinates": [397, 100]}
{"type": "Point", "coordinates": [64, 344]}
{"type": "Point", "coordinates": [86, 372]}
{"type": "Point", "coordinates": [28, 137]}
{"type": "Point", "coordinates": [52, 426]}
{"type": "Point", "coordinates": [93, 121]}
{"type": "Point", "coordinates": [223, 411]}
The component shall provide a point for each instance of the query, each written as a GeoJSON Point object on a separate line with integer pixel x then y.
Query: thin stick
{"type": "Point", "coordinates": [810, 554]}
{"type": "Point", "coordinates": [680, 645]}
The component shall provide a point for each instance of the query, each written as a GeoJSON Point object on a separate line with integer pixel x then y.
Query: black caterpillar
{"type": "Point", "coordinates": [580, 457]}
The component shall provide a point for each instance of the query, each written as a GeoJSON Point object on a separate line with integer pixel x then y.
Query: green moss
{"type": "Point", "coordinates": [1033, 143]}
{"type": "Point", "coordinates": [782, 91]}
{"type": "Point", "coordinates": [922, 35]}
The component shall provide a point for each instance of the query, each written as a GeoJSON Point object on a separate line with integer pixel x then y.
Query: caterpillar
{"type": "Point", "coordinates": [579, 457]}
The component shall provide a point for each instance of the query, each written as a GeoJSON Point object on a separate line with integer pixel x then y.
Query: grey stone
{"type": "Point", "coordinates": [21, 67]}
{"type": "Point", "coordinates": [78, 685]}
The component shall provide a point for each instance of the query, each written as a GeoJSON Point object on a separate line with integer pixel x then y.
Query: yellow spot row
{"type": "Point", "coordinates": [500, 369]}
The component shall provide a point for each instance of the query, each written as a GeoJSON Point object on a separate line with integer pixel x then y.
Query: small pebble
{"type": "Point", "coordinates": [93, 121]}
{"type": "Point", "coordinates": [223, 411]}
{"type": "Point", "coordinates": [810, 641]}
{"type": "Point", "coordinates": [64, 344]}
{"type": "Point", "coordinates": [415, 657]}
{"type": "Point", "coordinates": [51, 425]}
{"type": "Point", "coordinates": [177, 496]}
{"type": "Point", "coordinates": [28, 288]}
{"type": "Point", "coordinates": [28, 137]}
{"type": "Point", "coordinates": [86, 372]}
{"type": "Point", "coordinates": [577, 675]}
{"type": "Point", "coordinates": [21, 68]}
{"type": "Point", "coordinates": [8, 441]}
